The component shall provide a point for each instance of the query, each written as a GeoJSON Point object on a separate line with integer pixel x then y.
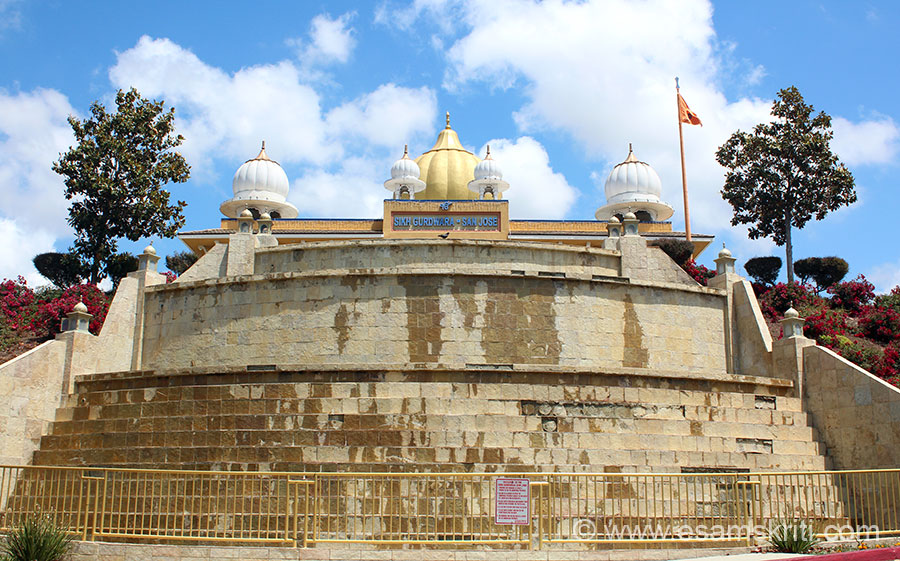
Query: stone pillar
{"type": "Point", "coordinates": [265, 236]}
{"type": "Point", "coordinates": [724, 280]}
{"type": "Point", "coordinates": [77, 320]}
{"type": "Point", "coordinates": [630, 224]}
{"type": "Point", "coordinates": [788, 351]}
{"type": "Point", "coordinates": [146, 275]}
{"type": "Point", "coordinates": [613, 231]}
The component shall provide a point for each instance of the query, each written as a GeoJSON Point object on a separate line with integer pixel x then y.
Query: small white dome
{"type": "Point", "coordinates": [405, 168]}
{"type": "Point", "coordinates": [629, 216]}
{"type": "Point", "coordinates": [265, 216]}
{"type": "Point", "coordinates": [488, 168]}
{"type": "Point", "coordinates": [260, 178]}
{"type": "Point", "coordinates": [724, 252]}
{"type": "Point", "coordinates": [632, 181]}
{"type": "Point", "coordinates": [246, 213]}
{"type": "Point", "coordinates": [261, 184]}
{"type": "Point", "coordinates": [633, 186]}
{"type": "Point", "coordinates": [150, 250]}
{"type": "Point", "coordinates": [80, 307]}
{"type": "Point", "coordinates": [791, 313]}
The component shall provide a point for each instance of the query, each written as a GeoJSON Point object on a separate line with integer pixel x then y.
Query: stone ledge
{"type": "Point", "coordinates": [398, 370]}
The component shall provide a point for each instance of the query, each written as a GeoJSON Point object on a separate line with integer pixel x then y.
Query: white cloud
{"type": "Point", "coordinates": [885, 276]}
{"type": "Point", "coordinates": [33, 209]}
{"type": "Point", "coordinates": [603, 72]}
{"type": "Point", "coordinates": [19, 247]}
{"type": "Point", "coordinates": [536, 191]}
{"type": "Point", "coordinates": [330, 40]}
{"type": "Point", "coordinates": [389, 116]}
{"type": "Point", "coordinates": [33, 133]}
{"type": "Point", "coordinates": [10, 15]}
{"type": "Point", "coordinates": [866, 142]}
{"type": "Point", "coordinates": [224, 116]}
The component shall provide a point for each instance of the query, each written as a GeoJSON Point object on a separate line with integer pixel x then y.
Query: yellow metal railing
{"type": "Point", "coordinates": [449, 509]}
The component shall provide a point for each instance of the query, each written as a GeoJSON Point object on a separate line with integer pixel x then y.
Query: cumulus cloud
{"type": "Point", "coordinates": [330, 40]}
{"type": "Point", "coordinates": [390, 116]}
{"type": "Point", "coordinates": [536, 191]}
{"type": "Point", "coordinates": [223, 117]}
{"type": "Point", "coordinates": [33, 210]}
{"type": "Point", "coordinates": [866, 142]}
{"type": "Point", "coordinates": [885, 276]}
{"type": "Point", "coordinates": [19, 247]}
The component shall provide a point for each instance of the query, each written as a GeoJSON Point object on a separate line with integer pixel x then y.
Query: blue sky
{"type": "Point", "coordinates": [558, 89]}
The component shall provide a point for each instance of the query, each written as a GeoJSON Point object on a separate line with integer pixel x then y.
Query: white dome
{"type": "Point", "coordinates": [405, 168]}
{"type": "Point", "coordinates": [260, 184]}
{"type": "Point", "coordinates": [633, 180]}
{"type": "Point", "coordinates": [488, 168]}
{"type": "Point", "coordinates": [633, 186]}
{"type": "Point", "coordinates": [260, 178]}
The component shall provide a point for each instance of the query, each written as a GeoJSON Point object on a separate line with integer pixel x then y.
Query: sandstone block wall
{"type": "Point", "coordinates": [451, 318]}
{"type": "Point", "coordinates": [31, 387]}
{"type": "Point", "coordinates": [857, 413]}
{"type": "Point", "coordinates": [430, 256]}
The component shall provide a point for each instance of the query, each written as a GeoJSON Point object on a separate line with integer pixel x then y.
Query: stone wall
{"type": "Point", "coordinates": [31, 386]}
{"type": "Point", "coordinates": [430, 256]}
{"type": "Point", "coordinates": [513, 317]}
{"type": "Point", "coordinates": [856, 413]}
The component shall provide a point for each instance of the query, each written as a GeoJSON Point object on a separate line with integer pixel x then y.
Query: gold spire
{"type": "Point", "coordinates": [262, 153]}
{"type": "Point", "coordinates": [405, 151]}
{"type": "Point", "coordinates": [447, 168]}
{"type": "Point", "coordinates": [488, 155]}
{"type": "Point", "coordinates": [631, 157]}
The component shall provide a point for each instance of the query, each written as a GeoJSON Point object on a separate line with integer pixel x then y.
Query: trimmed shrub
{"type": "Point", "coordinates": [119, 265]}
{"type": "Point", "coordinates": [679, 250]}
{"type": "Point", "coordinates": [824, 271]}
{"type": "Point", "coordinates": [764, 270]}
{"type": "Point", "coordinates": [62, 269]}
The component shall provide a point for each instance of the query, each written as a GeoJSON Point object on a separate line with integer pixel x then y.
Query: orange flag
{"type": "Point", "coordinates": [685, 113]}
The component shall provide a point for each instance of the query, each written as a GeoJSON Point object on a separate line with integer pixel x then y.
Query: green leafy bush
{"type": "Point", "coordinates": [181, 261]}
{"type": "Point", "coordinates": [37, 539]}
{"type": "Point", "coordinates": [793, 536]}
{"type": "Point", "coordinates": [679, 250]}
{"type": "Point", "coordinates": [764, 270]}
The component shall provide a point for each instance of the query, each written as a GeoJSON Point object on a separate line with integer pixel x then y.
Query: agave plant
{"type": "Point", "coordinates": [37, 539]}
{"type": "Point", "coordinates": [793, 536]}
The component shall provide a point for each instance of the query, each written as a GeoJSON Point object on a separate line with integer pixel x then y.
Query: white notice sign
{"type": "Point", "coordinates": [511, 502]}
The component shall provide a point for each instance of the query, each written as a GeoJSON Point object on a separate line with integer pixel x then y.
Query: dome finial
{"type": "Point", "coordinates": [448, 120]}
{"type": "Point", "coordinates": [406, 151]}
{"type": "Point", "coordinates": [488, 155]}
{"type": "Point", "coordinates": [631, 157]}
{"type": "Point", "coordinates": [262, 153]}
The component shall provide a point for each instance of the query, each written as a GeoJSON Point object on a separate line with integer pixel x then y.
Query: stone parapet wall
{"type": "Point", "coordinates": [444, 317]}
{"type": "Point", "coordinates": [437, 256]}
{"type": "Point", "coordinates": [857, 413]}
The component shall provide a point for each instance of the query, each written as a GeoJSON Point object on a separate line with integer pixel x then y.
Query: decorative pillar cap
{"type": "Point", "coordinates": [725, 261]}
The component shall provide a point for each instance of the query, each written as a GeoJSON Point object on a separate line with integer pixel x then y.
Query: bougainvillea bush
{"type": "Point", "coordinates": [853, 322]}
{"type": "Point", "coordinates": [29, 317]}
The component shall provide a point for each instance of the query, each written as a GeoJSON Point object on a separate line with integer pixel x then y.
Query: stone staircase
{"type": "Point", "coordinates": [412, 418]}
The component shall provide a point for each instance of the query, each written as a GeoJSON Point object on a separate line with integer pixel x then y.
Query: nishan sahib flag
{"type": "Point", "coordinates": [685, 113]}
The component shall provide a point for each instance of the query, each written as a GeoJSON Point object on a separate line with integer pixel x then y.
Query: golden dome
{"type": "Point", "coordinates": [447, 168]}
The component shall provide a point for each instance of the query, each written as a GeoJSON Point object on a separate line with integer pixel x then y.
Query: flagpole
{"type": "Point", "coordinates": [687, 214]}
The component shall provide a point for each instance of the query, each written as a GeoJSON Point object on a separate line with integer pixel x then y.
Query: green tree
{"type": "Point", "coordinates": [824, 271]}
{"type": "Point", "coordinates": [115, 176]}
{"type": "Point", "coordinates": [181, 261]}
{"type": "Point", "coordinates": [784, 173]}
{"type": "Point", "coordinates": [119, 265]}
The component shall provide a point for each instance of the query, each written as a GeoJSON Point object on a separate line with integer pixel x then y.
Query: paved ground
{"type": "Point", "coordinates": [883, 554]}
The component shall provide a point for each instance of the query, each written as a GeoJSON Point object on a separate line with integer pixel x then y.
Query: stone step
{"type": "Point", "coordinates": [416, 390]}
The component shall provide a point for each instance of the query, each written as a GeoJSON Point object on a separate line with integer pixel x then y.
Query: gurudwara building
{"type": "Point", "coordinates": [446, 337]}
